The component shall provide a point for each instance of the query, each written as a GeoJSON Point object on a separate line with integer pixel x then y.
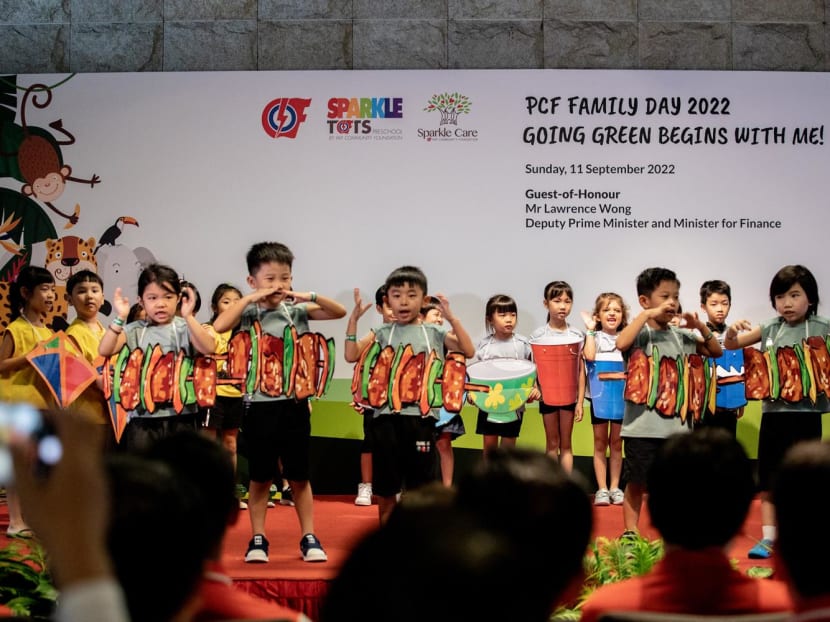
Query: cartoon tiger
{"type": "Point", "coordinates": [65, 257]}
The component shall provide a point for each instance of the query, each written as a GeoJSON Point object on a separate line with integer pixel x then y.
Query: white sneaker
{"type": "Point", "coordinates": [364, 494]}
{"type": "Point", "coordinates": [602, 497]}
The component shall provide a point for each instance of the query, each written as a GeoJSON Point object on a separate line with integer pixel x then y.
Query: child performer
{"type": "Point", "coordinates": [500, 317]}
{"type": "Point", "coordinates": [449, 426]}
{"type": "Point", "coordinates": [86, 294]}
{"type": "Point", "coordinates": [610, 316]}
{"type": "Point", "coordinates": [558, 419]}
{"type": "Point", "coordinates": [403, 447]}
{"type": "Point", "coordinates": [31, 296]}
{"type": "Point", "coordinates": [224, 419]}
{"type": "Point", "coordinates": [159, 290]}
{"type": "Point", "coordinates": [715, 302]}
{"type": "Point", "coordinates": [277, 429]}
{"type": "Point", "coordinates": [793, 293]}
{"type": "Point", "coordinates": [644, 429]}
{"type": "Point", "coordinates": [364, 488]}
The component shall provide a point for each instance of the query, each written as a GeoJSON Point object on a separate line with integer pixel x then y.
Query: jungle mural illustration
{"type": "Point", "coordinates": [34, 174]}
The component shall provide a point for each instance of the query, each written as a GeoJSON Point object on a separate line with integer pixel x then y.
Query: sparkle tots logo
{"type": "Point", "coordinates": [365, 118]}
{"type": "Point", "coordinates": [281, 117]}
{"type": "Point", "coordinates": [450, 107]}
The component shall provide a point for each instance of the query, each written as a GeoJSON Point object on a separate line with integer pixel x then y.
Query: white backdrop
{"type": "Point", "coordinates": [187, 156]}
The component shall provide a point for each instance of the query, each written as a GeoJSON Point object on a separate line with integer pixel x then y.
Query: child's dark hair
{"type": "Point", "coordinates": [268, 252]}
{"type": "Point", "coordinates": [602, 300]}
{"type": "Point", "coordinates": [83, 276]}
{"type": "Point", "coordinates": [380, 293]}
{"type": "Point", "coordinates": [198, 305]}
{"type": "Point", "coordinates": [220, 291]}
{"type": "Point", "coordinates": [496, 303]}
{"type": "Point", "coordinates": [163, 276]}
{"type": "Point", "coordinates": [430, 303]}
{"type": "Point", "coordinates": [557, 288]}
{"type": "Point", "coordinates": [135, 311]}
{"type": "Point", "coordinates": [29, 277]}
{"type": "Point", "coordinates": [788, 276]}
{"type": "Point", "coordinates": [650, 279]}
{"type": "Point", "coordinates": [407, 275]}
{"type": "Point", "coordinates": [715, 287]}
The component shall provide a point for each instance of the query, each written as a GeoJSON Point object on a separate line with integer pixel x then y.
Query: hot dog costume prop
{"type": "Point", "coordinates": [398, 377]}
{"type": "Point", "coordinates": [689, 385]}
{"type": "Point", "coordinates": [294, 365]}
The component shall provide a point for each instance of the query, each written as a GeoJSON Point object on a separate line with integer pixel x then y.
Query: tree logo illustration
{"type": "Point", "coordinates": [450, 105]}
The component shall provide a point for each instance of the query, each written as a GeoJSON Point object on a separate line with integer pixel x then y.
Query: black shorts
{"type": "Point", "coordinates": [723, 418]}
{"type": "Point", "coordinates": [546, 409]}
{"type": "Point", "coordinates": [279, 429]}
{"type": "Point", "coordinates": [141, 432]}
{"type": "Point", "coordinates": [226, 413]}
{"type": "Point", "coordinates": [366, 445]}
{"type": "Point", "coordinates": [780, 431]}
{"type": "Point", "coordinates": [490, 428]}
{"type": "Point", "coordinates": [403, 453]}
{"type": "Point", "coordinates": [639, 456]}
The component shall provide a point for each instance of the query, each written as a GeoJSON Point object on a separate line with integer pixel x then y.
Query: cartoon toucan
{"type": "Point", "coordinates": [112, 233]}
{"type": "Point", "coordinates": [6, 242]}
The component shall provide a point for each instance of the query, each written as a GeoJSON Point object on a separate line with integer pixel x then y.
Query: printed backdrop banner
{"type": "Point", "coordinates": [491, 181]}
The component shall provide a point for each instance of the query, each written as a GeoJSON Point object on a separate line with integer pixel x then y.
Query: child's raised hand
{"type": "Point", "coordinates": [689, 318]}
{"type": "Point", "coordinates": [359, 307]}
{"type": "Point", "coordinates": [289, 295]}
{"type": "Point", "coordinates": [188, 301]}
{"type": "Point", "coordinates": [261, 293]}
{"type": "Point", "coordinates": [121, 303]}
{"type": "Point", "coordinates": [738, 327]}
{"type": "Point", "coordinates": [591, 320]}
{"type": "Point", "coordinates": [445, 307]}
{"type": "Point", "coordinates": [663, 308]}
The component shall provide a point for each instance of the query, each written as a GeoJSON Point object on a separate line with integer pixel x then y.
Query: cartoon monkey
{"type": "Point", "coordinates": [39, 158]}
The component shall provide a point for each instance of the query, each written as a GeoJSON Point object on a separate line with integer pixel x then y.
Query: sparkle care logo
{"type": "Point", "coordinates": [282, 117]}
{"type": "Point", "coordinates": [450, 107]}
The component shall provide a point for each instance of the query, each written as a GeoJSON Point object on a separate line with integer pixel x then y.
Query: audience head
{"type": "Point", "coordinates": [207, 468]}
{"type": "Point", "coordinates": [155, 539]}
{"type": "Point", "coordinates": [713, 470]}
{"type": "Point", "coordinates": [804, 471]}
{"type": "Point", "coordinates": [435, 562]}
{"type": "Point", "coordinates": [538, 503]}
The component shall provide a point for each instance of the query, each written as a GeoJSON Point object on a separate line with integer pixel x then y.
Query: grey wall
{"type": "Point", "coordinates": [41, 36]}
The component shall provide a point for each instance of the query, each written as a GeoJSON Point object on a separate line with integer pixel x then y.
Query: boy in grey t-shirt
{"type": "Point", "coordinates": [644, 429]}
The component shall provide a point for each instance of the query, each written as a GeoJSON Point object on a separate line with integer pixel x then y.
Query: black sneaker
{"type": "Point", "coordinates": [287, 496]}
{"type": "Point", "coordinates": [311, 549]}
{"type": "Point", "coordinates": [257, 550]}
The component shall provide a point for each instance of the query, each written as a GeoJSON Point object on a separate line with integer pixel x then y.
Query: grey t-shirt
{"type": "Point", "coordinates": [422, 338]}
{"type": "Point", "coordinates": [639, 420]}
{"type": "Point", "coordinates": [170, 337]}
{"type": "Point", "coordinates": [273, 322]}
{"type": "Point", "coordinates": [776, 333]}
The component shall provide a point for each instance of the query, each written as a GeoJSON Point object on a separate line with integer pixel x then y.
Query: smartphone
{"type": "Point", "coordinates": [24, 420]}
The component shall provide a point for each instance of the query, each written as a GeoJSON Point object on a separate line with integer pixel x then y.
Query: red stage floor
{"type": "Point", "coordinates": [340, 524]}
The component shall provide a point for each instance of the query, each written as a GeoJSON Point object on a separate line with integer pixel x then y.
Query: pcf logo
{"type": "Point", "coordinates": [281, 117]}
